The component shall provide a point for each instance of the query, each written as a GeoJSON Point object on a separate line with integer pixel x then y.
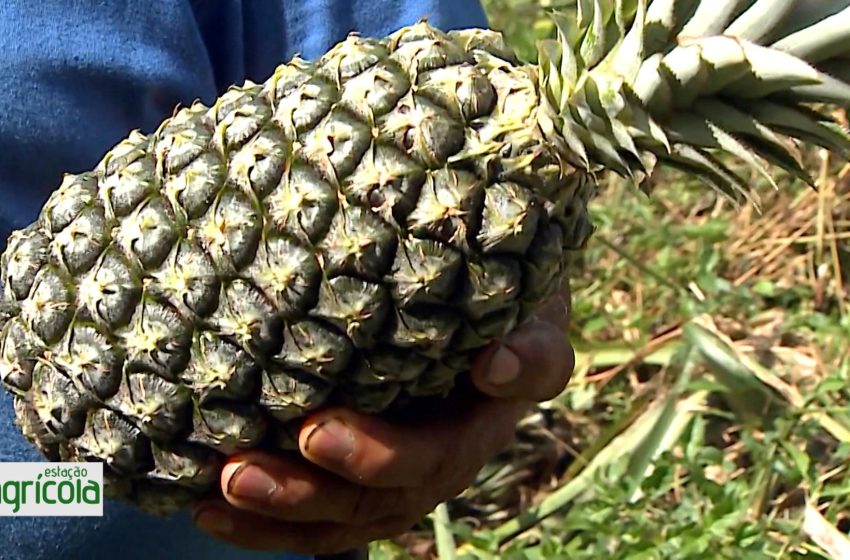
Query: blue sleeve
{"type": "Point", "coordinates": [282, 29]}
{"type": "Point", "coordinates": [78, 76]}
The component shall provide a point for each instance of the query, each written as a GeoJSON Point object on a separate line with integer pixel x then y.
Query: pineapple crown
{"type": "Point", "coordinates": [634, 83]}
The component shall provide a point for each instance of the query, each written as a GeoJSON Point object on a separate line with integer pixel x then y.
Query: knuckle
{"type": "Point", "coordinates": [368, 469]}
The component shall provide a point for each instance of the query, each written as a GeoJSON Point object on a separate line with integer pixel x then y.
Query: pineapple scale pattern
{"type": "Point", "coordinates": [349, 231]}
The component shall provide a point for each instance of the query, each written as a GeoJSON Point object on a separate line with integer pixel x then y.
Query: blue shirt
{"type": "Point", "coordinates": [77, 76]}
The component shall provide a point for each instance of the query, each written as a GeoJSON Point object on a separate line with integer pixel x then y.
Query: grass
{"type": "Point", "coordinates": [708, 414]}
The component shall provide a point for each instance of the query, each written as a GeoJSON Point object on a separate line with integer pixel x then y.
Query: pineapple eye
{"type": "Point", "coordinates": [382, 83]}
{"type": "Point", "coordinates": [409, 139]}
{"type": "Point", "coordinates": [330, 143]}
{"type": "Point", "coordinates": [446, 230]}
{"type": "Point", "coordinates": [376, 198]}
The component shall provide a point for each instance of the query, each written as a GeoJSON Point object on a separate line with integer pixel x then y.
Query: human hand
{"type": "Point", "coordinates": [363, 478]}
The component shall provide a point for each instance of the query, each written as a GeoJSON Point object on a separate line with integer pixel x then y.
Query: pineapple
{"type": "Point", "coordinates": [352, 230]}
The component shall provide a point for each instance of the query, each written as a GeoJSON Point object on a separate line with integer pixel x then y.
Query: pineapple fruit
{"type": "Point", "coordinates": [354, 229]}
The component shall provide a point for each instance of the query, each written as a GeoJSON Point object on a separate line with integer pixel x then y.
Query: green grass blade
{"type": "Point", "coordinates": [669, 425]}
{"type": "Point", "coordinates": [443, 535]}
{"type": "Point", "coordinates": [746, 395]}
{"type": "Point", "coordinates": [627, 443]}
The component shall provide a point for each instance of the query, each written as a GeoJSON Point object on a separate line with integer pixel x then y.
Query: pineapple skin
{"type": "Point", "coordinates": [351, 232]}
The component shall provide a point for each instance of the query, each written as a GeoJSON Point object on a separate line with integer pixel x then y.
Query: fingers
{"type": "Point", "coordinates": [376, 478]}
{"type": "Point", "coordinates": [290, 489]}
{"type": "Point", "coordinates": [532, 364]}
{"type": "Point", "coordinates": [373, 452]}
{"type": "Point", "coordinates": [385, 469]}
{"type": "Point", "coordinates": [392, 477]}
{"type": "Point", "coordinates": [535, 362]}
{"type": "Point", "coordinates": [257, 532]}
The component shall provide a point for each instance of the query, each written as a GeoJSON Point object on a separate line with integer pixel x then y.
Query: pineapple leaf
{"type": "Point", "coordinates": [644, 128]}
{"type": "Point", "coordinates": [731, 145]}
{"type": "Point", "coordinates": [570, 131]}
{"type": "Point", "coordinates": [569, 64]}
{"type": "Point", "coordinates": [665, 19]}
{"type": "Point", "coordinates": [593, 44]}
{"type": "Point", "coordinates": [688, 74]}
{"type": "Point", "coordinates": [726, 61]}
{"type": "Point", "coordinates": [607, 153]}
{"type": "Point", "coordinates": [772, 71]}
{"type": "Point", "coordinates": [626, 59]}
{"type": "Point", "coordinates": [710, 18]}
{"type": "Point", "coordinates": [826, 39]}
{"type": "Point", "coordinates": [626, 88]}
{"type": "Point", "coordinates": [829, 90]}
{"type": "Point", "coordinates": [711, 171]}
{"type": "Point", "coordinates": [759, 137]}
{"type": "Point", "coordinates": [625, 11]}
{"type": "Point", "coordinates": [760, 20]}
{"type": "Point", "coordinates": [797, 123]}
{"type": "Point", "coordinates": [702, 132]}
{"type": "Point", "coordinates": [651, 88]}
{"type": "Point", "coordinates": [551, 80]}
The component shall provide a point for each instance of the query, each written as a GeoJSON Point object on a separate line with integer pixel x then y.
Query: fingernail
{"type": "Point", "coordinates": [250, 482]}
{"type": "Point", "coordinates": [331, 440]}
{"type": "Point", "coordinates": [504, 367]}
{"type": "Point", "coordinates": [214, 520]}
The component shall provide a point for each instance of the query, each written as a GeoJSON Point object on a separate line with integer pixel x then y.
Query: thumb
{"type": "Point", "coordinates": [532, 364]}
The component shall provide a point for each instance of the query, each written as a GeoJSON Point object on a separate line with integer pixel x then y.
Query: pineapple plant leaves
{"type": "Point", "coordinates": [353, 229]}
